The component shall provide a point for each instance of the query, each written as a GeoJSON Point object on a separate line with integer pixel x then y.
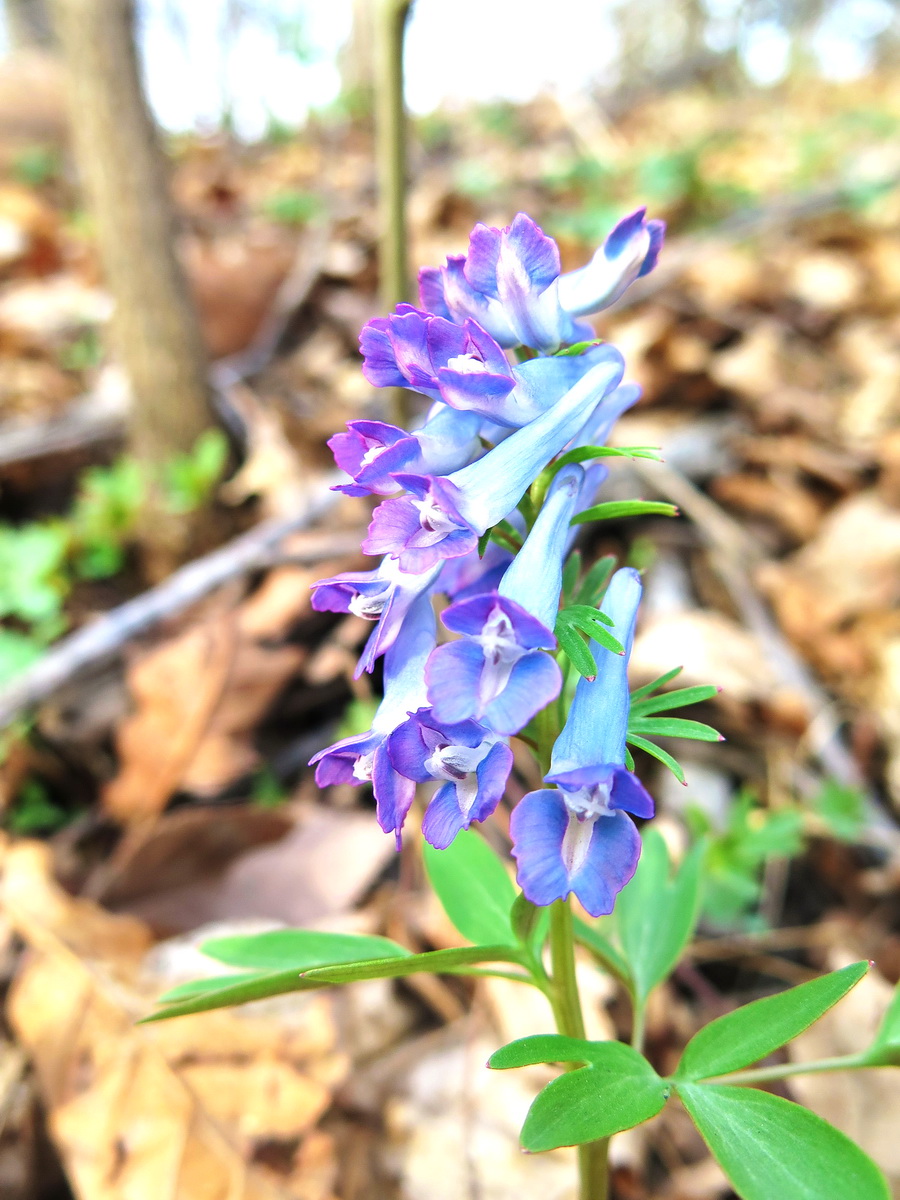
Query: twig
{"type": "Point", "coordinates": [106, 636]}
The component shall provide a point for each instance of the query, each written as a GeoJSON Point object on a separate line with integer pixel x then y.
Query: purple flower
{"type": "Point", "coordinates": [460, 364]}
{"type": "Point", "coordinates": [631, 250]}
{"type": "Point", "coordinates": [444, 517]}
{"type": "Point", "coordinates": [384, 595]}
{"type": "Point", "coordinates": [579, 838]}
{"type": "Point", "coordinates": [510, 281]}
{"type": "Point", "coordinates": [371, 451]}
{"type": "Point", "coordinates": [364, 758]}
{"type": "Point", "coordinates": [471, 764]}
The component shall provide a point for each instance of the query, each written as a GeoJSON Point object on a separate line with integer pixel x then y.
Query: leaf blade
{"type": "Point", "coordinates": [656, 914]}
{"type": "Point", "coordinates": [618, 1091]}
{"type": "Point", "coordinates": [769, 1147]}
{"type": "Point", "coordinates": [757, 1029]}
{"type": "Point", "coordinates": [474, 888]}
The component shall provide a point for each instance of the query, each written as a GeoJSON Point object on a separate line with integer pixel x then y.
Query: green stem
{"type": "Point", "coordinates": [851, 1062]}
{"type": "Point", "coordinates": [390, 143]}
{"type": "Point", "coordinates": [592, 1158]}
{"type": "Point", "coordinates": [639, 1026]}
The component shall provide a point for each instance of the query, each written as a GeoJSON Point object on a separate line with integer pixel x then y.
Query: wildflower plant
{"type": "Point", "coordinates": [479, 508]}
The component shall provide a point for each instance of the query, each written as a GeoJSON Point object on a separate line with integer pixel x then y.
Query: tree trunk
{"type": "Point", "coordinates": [28, 25]}
{"type": "Point", "coordinates": [155, 326]}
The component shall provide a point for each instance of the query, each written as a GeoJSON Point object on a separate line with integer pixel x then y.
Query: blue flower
{"type": "Point", "coordinates": [364, 758]}
{"type": "Point", "coordinates": [498, 672]}
{"type": "Point", "coordinates": [578, 837]}
{"type": "Point", "coordinates": [469, 761]}
{"type": "Point", "coordinates": [510, 281]}
{"type": "Point", "coordinates": [443, 517]}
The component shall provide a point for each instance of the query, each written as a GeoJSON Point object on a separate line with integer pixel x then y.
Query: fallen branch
{"type": "Point", "coordinates": [105, 637]}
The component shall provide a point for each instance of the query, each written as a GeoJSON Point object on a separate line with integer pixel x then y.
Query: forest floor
{"type": "Point", "coordinates": [153, 781]}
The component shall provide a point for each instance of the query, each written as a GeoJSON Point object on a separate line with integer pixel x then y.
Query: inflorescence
{"type": "Point", "coordinates": [479, 508]}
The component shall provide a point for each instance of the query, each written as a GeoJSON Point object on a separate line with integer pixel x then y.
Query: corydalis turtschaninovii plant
{"type": "Point", "coordinates": [480, 506]}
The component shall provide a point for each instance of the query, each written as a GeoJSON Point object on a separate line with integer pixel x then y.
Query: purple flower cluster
{"type": "Point", "coordinates": [493, 427]}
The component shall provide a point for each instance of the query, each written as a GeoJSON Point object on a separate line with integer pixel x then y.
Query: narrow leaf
{"type": "Point", "coordinates": [198, 987]}
{"type": "Point", "coordinates": [656, 915]}
{"type": "Point", "coordinates": [658, 753]}
{"type": "Point", "coordinates": [675, 727]}
{"type": "Point", "coordinates": [244, 989]}
{"type": "Point", "coordinates": [586, 616]}
{"type": "Point", "coordinates": [639, 693]}
{"type": "Point", "coordinates": [770, 1148]}
{"type": "Point", "coordinates": [571, 571]}
{"type": "Point", "coordinates": [618, 1091]}
{"type": "Point", "coordinates": [676, 699]}
{"type": "Point", "coordinates": [281, 949]}
{"type": "Point", "coordinates": [433, 961]}
{"type": "Point", "coordinates": [755, 1030]}
{"type": "Point", "coordinates": [596, 580]}
{"type": "Point", "coordinates": [474, 888]}
{"type": "Point", "coordinates": [574, 646]}
{"type": "Point", "coordinates": [615, 509]}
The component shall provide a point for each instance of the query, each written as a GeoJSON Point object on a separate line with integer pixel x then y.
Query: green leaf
{"type": "Point", "coordinates": [199, 987]}
{"type": "Point", "coordinates": [474, 888]}
{"type": "Point", "coordinates": [543, 1048]}
{"type": "Point", "coordinates": [639, 693]}
{"type": "Point", "coordinates": [602, 948]}
{"type": "Point", "coordinates": [596, 580]}
{"type": "Point", "coordinates": [656, 915]}
{"type": "Point", "coordinates": [300, 949]}
{"type": "Point", "coordinates": [885, 1050]}
{"type": "Point", "coordinates": [617, 1091]}
{"type": "Point", "coordinates": [591, 622]}
{"type": "Point", "coordinates": [674, 727]}
{"type": "Point", "coordinates": [225, 991]}
{"type": "Point", "coordinates": [239, 990]}
{"type": "Point", "coordinates": [615, 509]}
{"type": "Point", "coordinates": [755, 1030]}
{"type": "Point", "coordinates": [629, 759]}
{"type": "Point", "coordinates": [434, 961]}
{"type": "Point", "coordinates": [658, 753]}
{"type": "Point", "coordinates": [575, 648]}
{"type": "Point", "coordinates": [571, 571]}
{"type": "Point", "coordinates": [771, 1149]}
{"type": "Point", "coordinates": [676, 699]}
{"type": "Point", "coordinates": [842, 808]}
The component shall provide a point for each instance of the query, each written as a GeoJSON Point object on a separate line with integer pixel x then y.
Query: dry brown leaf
{"type": "Point", "coordinates": [711, 647]}
{"type": "Point", "coordinates": [198, 698]}
{"type": "Point", "coordinates": [171, 1112]}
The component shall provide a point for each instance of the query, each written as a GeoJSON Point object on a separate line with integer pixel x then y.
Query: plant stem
{"type": "Point", "coordinates": [390, 142]}
{"type": "Point", "coordinates": [592, 1158]}
{"type": "Point", "coordinates": [639, 1026]}
{"type": "Point", "coordinates": [851, 1062]}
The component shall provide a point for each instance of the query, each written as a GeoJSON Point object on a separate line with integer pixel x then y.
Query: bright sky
{"type": "Point", "coordinates": [466, 50]}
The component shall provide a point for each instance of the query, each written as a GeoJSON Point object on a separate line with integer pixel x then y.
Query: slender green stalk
{"type": "Point", "coordinates": [592, 1159]}
{"type": "Point", "coordinates": [639, 1027]}
{"type": "Point", "coordinates": [851, 1062]}
{"type": "Point", "coordinates": [390, 149]}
